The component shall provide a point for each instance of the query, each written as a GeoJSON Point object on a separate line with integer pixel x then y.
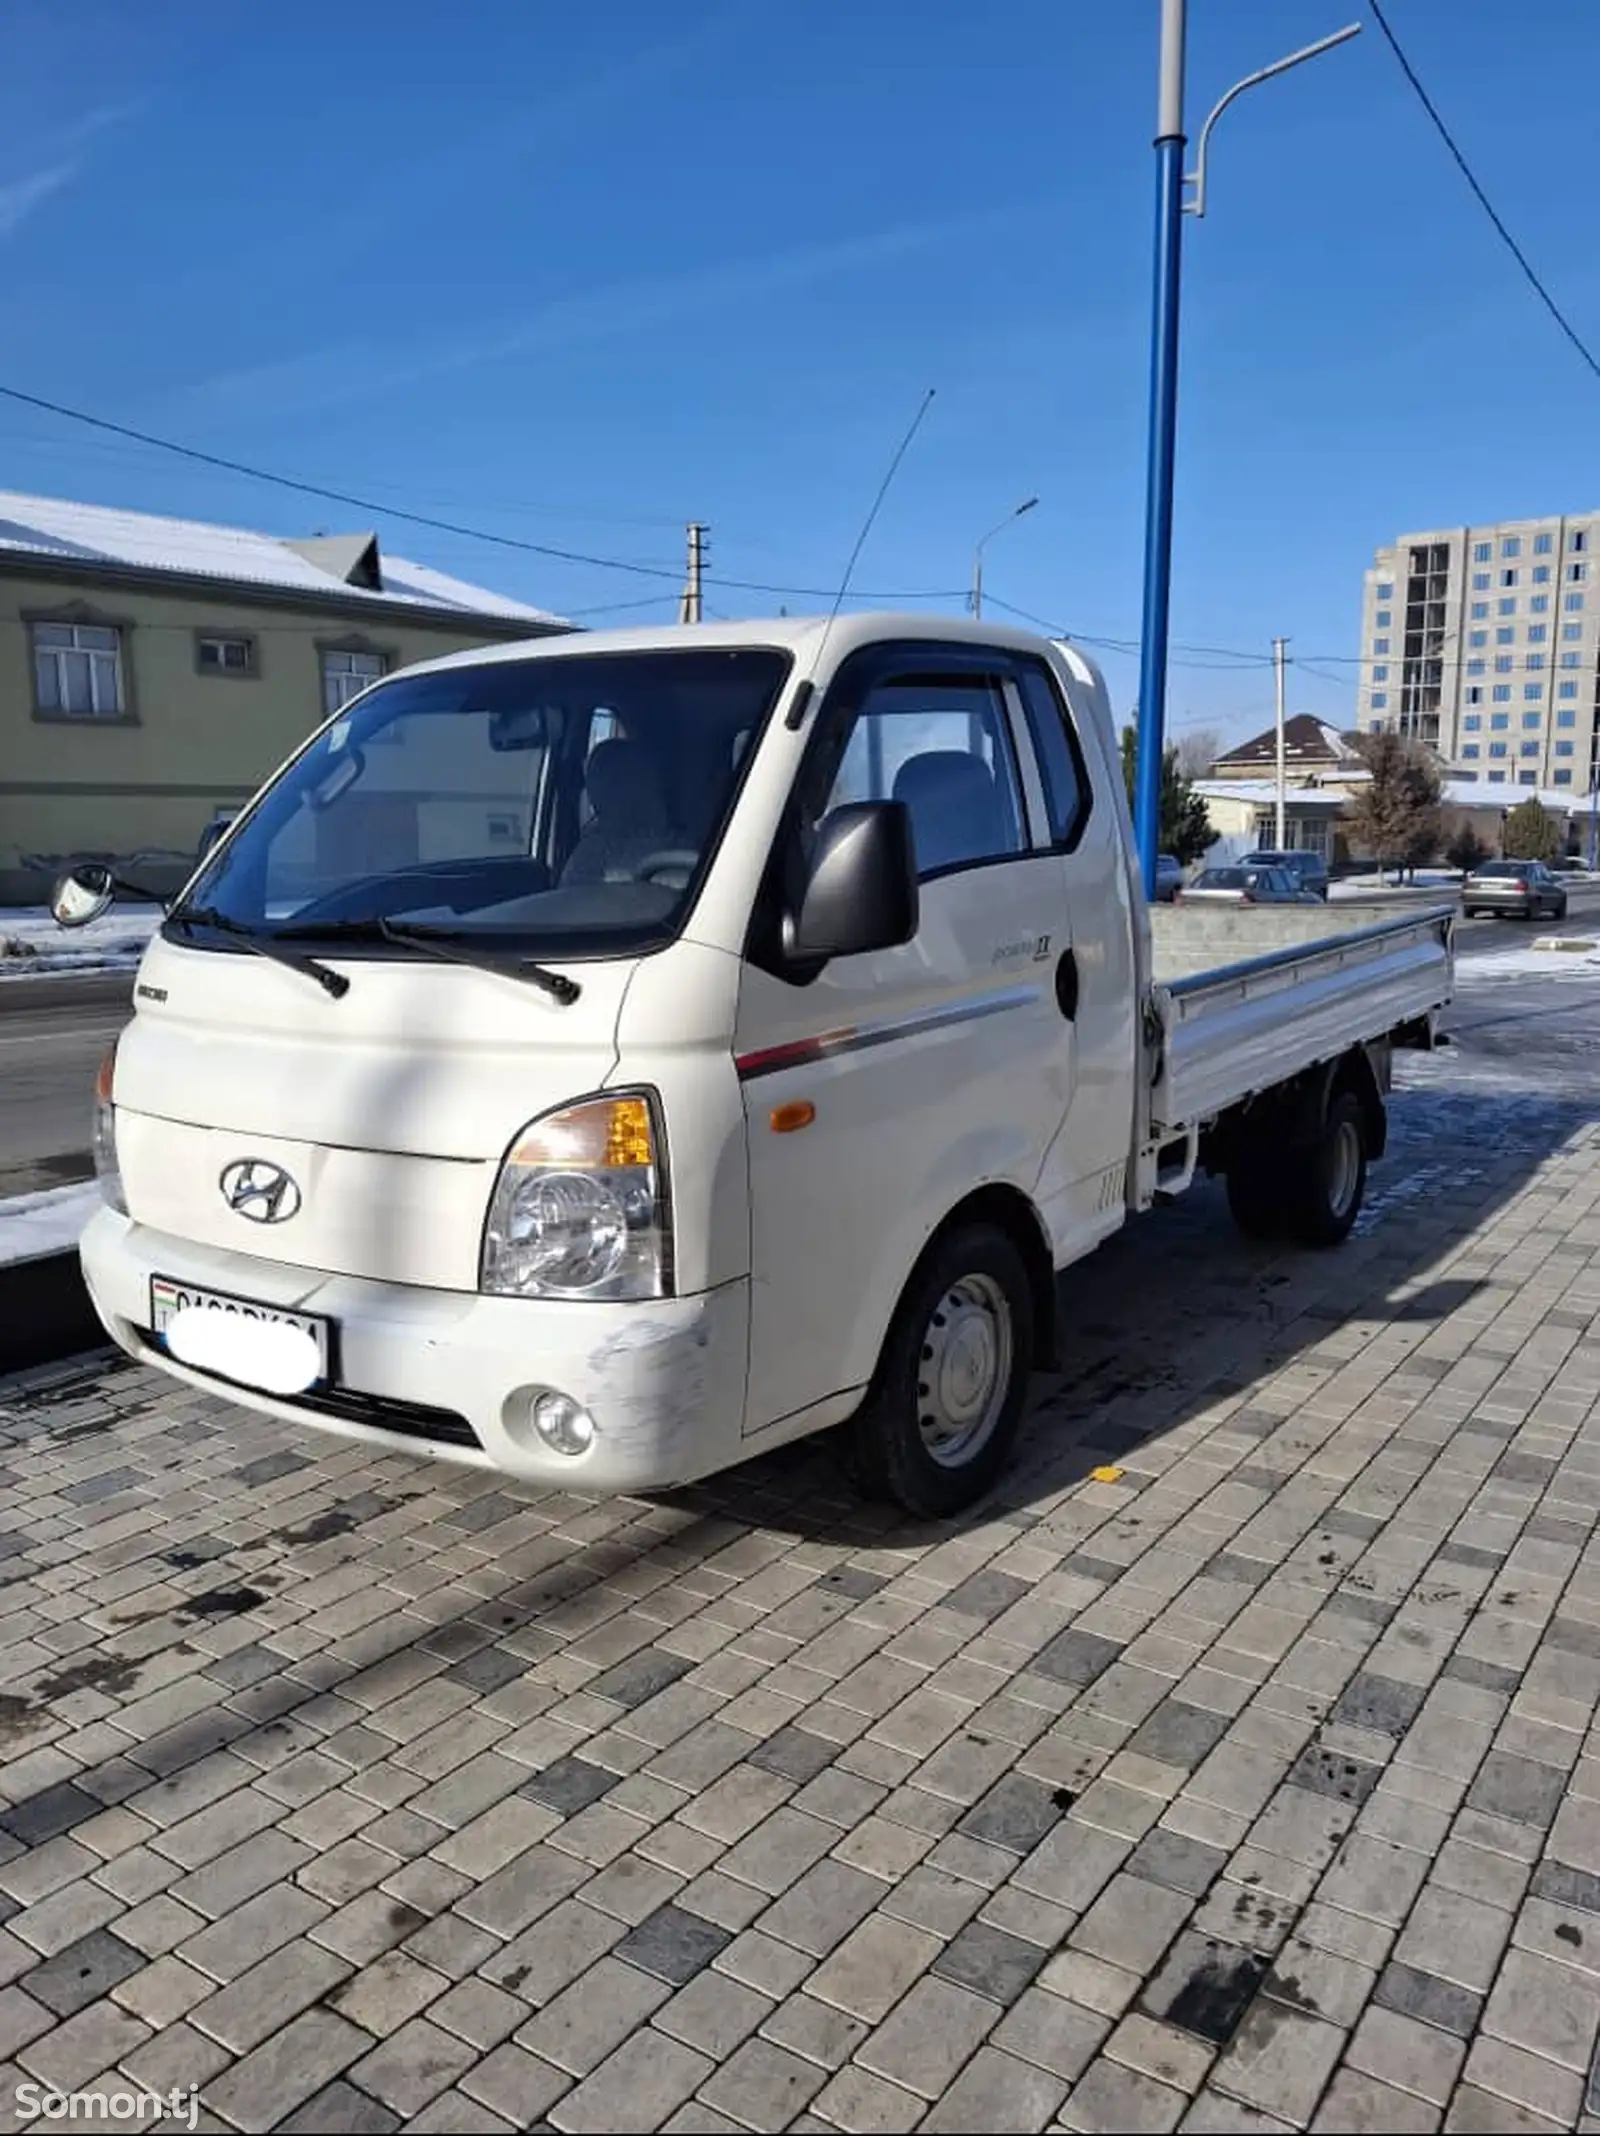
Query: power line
{"type": "Point", "coordinates": [1482, 197]}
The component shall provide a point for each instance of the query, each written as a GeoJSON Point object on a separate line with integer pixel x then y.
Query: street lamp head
{"type": "Point", "coordinates": [1027, 505]}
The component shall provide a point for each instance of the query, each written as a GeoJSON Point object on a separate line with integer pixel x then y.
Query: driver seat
{"type": "Point", "coordinates": [630, 819]}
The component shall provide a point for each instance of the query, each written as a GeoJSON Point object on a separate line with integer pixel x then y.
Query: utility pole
{"type": "Point", "coordinates": [689, 605]}
{"type": "Point", "coordinates": [1278, 664]}
{"type": "Point", "coordinates": [1171, 207]}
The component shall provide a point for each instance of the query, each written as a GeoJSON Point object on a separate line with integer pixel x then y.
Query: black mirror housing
{"type": "Point", "coordinates": [861, 894]}
{"type": "Point", "coordinates": [82, 895]}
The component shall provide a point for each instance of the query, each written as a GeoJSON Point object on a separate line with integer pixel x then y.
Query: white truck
{"type": "Point", "coordinates": [605, 1059]}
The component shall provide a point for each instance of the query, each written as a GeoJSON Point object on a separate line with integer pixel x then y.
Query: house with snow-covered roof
{"type": "Point", "coordinates": [154, 671]}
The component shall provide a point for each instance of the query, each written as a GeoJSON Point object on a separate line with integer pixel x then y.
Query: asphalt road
{"type": "Point", "coordinates": [53, 1033]}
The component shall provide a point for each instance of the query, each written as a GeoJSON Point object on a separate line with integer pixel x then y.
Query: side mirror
{"type": "Point", "coordinates": [861, 894]}
{"type": "Point", "coordinates": [82, 895]}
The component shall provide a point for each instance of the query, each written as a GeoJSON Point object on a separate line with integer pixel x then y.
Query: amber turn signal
{"type": "Point", "coordinates": [788, 1119]}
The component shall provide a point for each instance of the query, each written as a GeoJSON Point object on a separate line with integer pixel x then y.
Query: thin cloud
{"type": "Point", "coordinates": [354, 372]}
{"type": "Point", "coordinates": [61, 157]}
{"type": "Point", "coordinates": [20, 198]}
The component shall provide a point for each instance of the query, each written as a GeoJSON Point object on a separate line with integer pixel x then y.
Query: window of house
{"type": "Point", "coordinates": [1380, 701]}
{"type": "Point", "coordinates": [1527, 778]}
{"type": "Point", "coordinates": [1386, 591]}
{"type": "Point", "coordinates": [1512, 545]}
{"type": "Point", "coordinates": [1539, 604]}
{"type": "Point", "coordinates": [1571, 633]}
{"type": "Point", "coordinates": [1503, 663]}
{"type": "Point", "coordinates": [1380, 673]}
{"type": "Point", "coordinates": [1533, 693]}
{"type": "Point", "coordinates": [1380, 645]}
{"type": "Point", "coordinates": [1564, 748]}
{"type": "Point", "coordinates": [1571, 660]}
{"type": "Point", "coordinates": [224, 655]}
{"type": "Point", "coordinates": [1541, 545]}
{"type": "Point", "coordinates": [1375, 725]}
{"type": "Point", "coordinates": [1533, 661]}
{"type": "Point", "coordinates": [1508, 607]}
{"type": "Point", "coordinates": [346, 675]}
{"type": "Point", "coordinates": [1562, 778]}
{"type": "Point", "coordinates": [1479, 610]}
{"type": "Point", "coordinates": [1566, 689]}
{"type": "Point", "coordinates": [1572, 603]}
{"type": "Point", "coordinates": [1577, 571]}
{"type": "Point", "coordinates": [1473, 720]}
{"type": "Point", "coordinates": [1502, 696]}
{"type": "Point", "coordinates": [1482, 551]}
{"type": "Point", "coordinates": [1579, 539]}
{"type": "Point", "coordinates": [1537, 633]}
{"type": "Point", "coordinates": [1530, 749]}
{"type": "Point", "coordinates": [1497, 749]}
{"type": "Point", "coordinates": [1541, 574]}
{"type": "Point", "coordinates": [1480, 582]}
{"type": "Point", "coordinates": [1475, 667]}
{"type": "Point", "coordinates": [1508, 578]}
{"type": "Point", "coordinates": [77, 670]}
{"type": "Point", "coordinates": [1530, 720]}
{"type": "Point", "coordinates": [1383, 618]}
{"type": "Point", "coordinates": [1505, 634]}
{"type": "Point", "coordinates": [1478, 637]}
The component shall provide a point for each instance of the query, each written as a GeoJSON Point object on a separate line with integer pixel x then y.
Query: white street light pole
{"type": "Point", "coordinates": [1027, 505]}
{"type": "Point", "coordinates": [1278, 645]}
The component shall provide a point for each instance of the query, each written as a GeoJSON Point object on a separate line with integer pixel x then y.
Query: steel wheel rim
{"type": "Point", "coordinates": [1344, 1168]}
{"type": "Point", "coordinates": [964, 1370]}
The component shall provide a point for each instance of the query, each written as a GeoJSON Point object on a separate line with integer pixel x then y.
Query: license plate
{"type": "Point", "coordinates": [168, 1298]}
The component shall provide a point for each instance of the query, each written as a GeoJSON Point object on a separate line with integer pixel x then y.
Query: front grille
{"type": "Point", "coordinates": [408, 1420]}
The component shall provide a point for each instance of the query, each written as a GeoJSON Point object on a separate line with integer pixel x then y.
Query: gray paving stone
{"type": "Point", "coordinates": [997, 2091]}
{"type": "Point", "coordinates": [1205, 1986]}
{"type": "Point", "coordinates": [82, 1972]}
{"type": "Point", "coordinates": [1181, 1863]}
{"type": "Point", "coordinates": [1076, 1658]}
{"type": "Point", "coordinates": [990, 1961]}
{"type": "Point", "coordinates": [1379, 1702]}
{"type": "Point", "coordinates": [638, 2086]}
{"type": "Point", "coordinates": [673, 1945]}
{"type": "Point", "coordinates": [1123, 2101]}
{"type": "Point", "coordinates": [929, 2036]}
{"type": "Point", "coordinates": [1518, 1789]}
{"type": "Point", "coordinates": [763, 2086]}
{"type": "Point", "coordinates": [830, 1900]}
{"type": "Point", "coordinates": [1358, 2105]}
{"type": "Point", "coordinates": [1279, 2060]}
{"type": "Point", "coordinates": [1435, 2002]}
{"type": "Point", "coordinates": [339, 2108]}
{"type": "Point", "coordinates": [794, 1754]}
{"type": "Point", "coordinates": [592, 2017]}
{"type": "Point", "coordinates": [1180, 1734]}
{"type": "Point", "coordinates": [1329, 1772]}
{"type": "Point", "coordinates": [570, 1785]}
{"type": "Point", "coordinates": [1016, 1813]}
{"type": "Point", "coordinates": [1565, 1886]}
{"type": "Point", "coordinates": [986, 1595]}
{"type": "Point", "coordinates": [286, 2070]}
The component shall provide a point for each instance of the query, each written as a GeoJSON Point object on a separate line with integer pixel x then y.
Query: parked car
{"type": "Point", "coordinates": [1570, 864]}
{"type": "Point", "coordinates": [1246, 884]}
{"type": "Point", "coordinates": [758, 1106]}
{"type": "Point", "coordinates": [1169, 877]}
{"type": "Point", "coordinates": [1524, 889]}
{"type": "Point", "coordinates": [1310, 870]}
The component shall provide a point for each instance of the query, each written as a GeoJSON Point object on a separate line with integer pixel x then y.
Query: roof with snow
{"type": "Point", "coordinates": [1307, 742]}
{"type": "Point", "coordinates": [1263, 792]}
{"type": "Point", "coordinates": [347, 569]}
{"type": "Point", "coordinates": [1478, 793]}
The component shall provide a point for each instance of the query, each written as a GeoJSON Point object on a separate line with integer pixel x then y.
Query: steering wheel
{"type": "Point", "coordinates": [668, 859]}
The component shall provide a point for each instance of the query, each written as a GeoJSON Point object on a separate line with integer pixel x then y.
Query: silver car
{"type": "Point", "coordinates": [1246, 885]}
{"type": "Point", "coordinates": [1526, 889]}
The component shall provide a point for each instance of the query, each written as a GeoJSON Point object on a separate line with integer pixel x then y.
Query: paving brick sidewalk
{"type": "Point", "coordinates": [1257, 1788]}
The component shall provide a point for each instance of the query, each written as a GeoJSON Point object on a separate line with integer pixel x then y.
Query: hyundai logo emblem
{"type": "Point", "coordinates": [260, 1191]}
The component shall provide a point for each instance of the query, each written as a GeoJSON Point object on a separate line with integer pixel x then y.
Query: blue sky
{"type": "Point", "coordinates": [578, 275]}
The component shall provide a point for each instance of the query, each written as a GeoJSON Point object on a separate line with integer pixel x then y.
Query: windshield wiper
{"type": "Point", "coordinates": [434, 942]}
{"type": "Point", "coordinates": [264, 945]}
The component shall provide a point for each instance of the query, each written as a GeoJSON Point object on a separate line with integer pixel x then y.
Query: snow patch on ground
{"type": "Point", "coordinates": [1528, 963]}
{"type": "Point", "coordinates": [32, 945]}
{"type": "Point", "coordinates": [34, 1225]}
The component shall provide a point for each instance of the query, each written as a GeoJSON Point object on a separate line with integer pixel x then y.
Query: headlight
{"type": "Point", "coordinates": [580, 1207]}
{"type": "Point", "coordinates": [104, 1135]}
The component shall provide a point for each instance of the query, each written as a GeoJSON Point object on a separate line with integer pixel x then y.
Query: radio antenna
{"type": "Point", "coordinates": [877, 503]}
{"type": "Point", "coordinates": [802, 698]}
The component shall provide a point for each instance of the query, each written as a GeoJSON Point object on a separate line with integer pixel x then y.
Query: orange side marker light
{"type": "Point", "coordinates": [789, 1119]}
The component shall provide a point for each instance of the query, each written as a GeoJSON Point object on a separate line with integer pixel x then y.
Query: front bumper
{"type": "Point", "coordinates": [453, 1373]}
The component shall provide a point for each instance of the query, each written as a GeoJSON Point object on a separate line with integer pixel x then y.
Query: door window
{"type": "Point", "coordinates": [943, 747]}
{"type": "Point", "coordinates": [1066, 784]}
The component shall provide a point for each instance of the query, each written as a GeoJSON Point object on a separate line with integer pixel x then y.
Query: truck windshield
{"type": "Point", "coordinates": [559, 806]}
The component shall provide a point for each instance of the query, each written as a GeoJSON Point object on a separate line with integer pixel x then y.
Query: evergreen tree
{"type": "Point", "coordinates": [1185, 827]}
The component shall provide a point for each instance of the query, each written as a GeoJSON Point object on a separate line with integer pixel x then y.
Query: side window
{"type": "Point", "coordinates": [1066, 783]}
{"type": "Point", "coordinates": [941, 745]}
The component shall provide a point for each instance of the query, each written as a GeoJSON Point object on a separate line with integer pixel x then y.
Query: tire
{"type": "Point", "coordinates": [971, 1300]}
{"type": "Point", "coordinates": [1560, 911]}
{"type": "Point", "coordinates": [1327, 1181]}
{"type": "Point", "coordinates": [1255, 1201]}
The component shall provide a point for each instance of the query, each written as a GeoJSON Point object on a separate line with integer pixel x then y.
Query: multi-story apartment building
{"type": "Point", "coordinates": [1485, 642]}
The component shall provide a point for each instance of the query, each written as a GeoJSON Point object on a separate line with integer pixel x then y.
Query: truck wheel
{"type": "Point", "coordinates": [1255, 1201]}
{"type": "Point", "coordinates": [935, 1431]}
{"type": "Point", "coordinates": [1329, 1180]}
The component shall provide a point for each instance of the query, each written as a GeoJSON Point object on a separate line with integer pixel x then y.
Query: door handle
{"type": "Point", "coordinates": [1067, 985]}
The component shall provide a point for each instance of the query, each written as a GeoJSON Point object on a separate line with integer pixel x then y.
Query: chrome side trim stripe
{"type": "Point", "coordinates": [857, 1038]}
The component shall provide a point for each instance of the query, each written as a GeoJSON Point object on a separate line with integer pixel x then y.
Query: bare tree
{"type": "Point", "coordinates": [1198, 751]}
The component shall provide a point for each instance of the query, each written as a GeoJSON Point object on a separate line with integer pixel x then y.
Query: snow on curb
{"type": "Point", "coordinates": [32, 945]}
{"type": "Point", "coordinates": [33, 1226]}
{"type": "Point", "coordinates": [1551, 957]}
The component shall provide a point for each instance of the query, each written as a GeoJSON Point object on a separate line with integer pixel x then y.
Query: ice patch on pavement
{"type": "Point", "coordinates": [1528, 963]}
{"type": "Point", "coordinates": [31, 944]}
{"type": "Point", "coordinates": [34, 1225]}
